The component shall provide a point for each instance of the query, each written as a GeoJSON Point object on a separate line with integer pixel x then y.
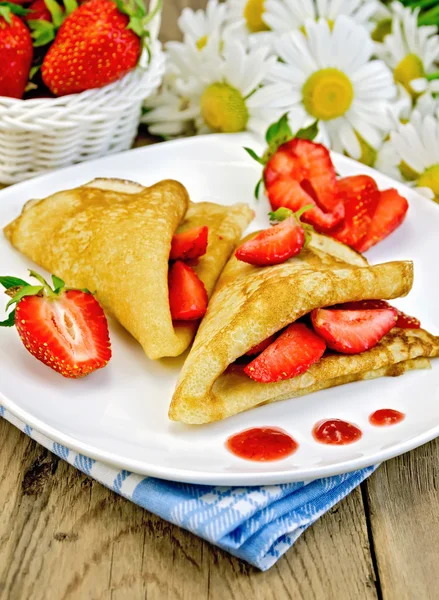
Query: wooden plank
{"type": "Point", "coordinates": [403, 496]}
{"type": "Point", "coordinates": [63, 532]}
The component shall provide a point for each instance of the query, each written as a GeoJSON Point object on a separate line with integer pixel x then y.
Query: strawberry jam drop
{"type": "Point", "coordinates": [336, 432]}
{"type": "Point", "coordinates": [262, 444]}
{"type": "Point", "coordinates": [386, 416]}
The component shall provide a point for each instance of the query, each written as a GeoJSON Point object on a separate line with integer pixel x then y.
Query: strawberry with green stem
{"type": "Point", "coordinates": [279, 243]}
{"type": "Point", "coordinates": [16, 51]}
{"type": "Point", "coordinates": [64, 328]}
{"type": "Point", "coordinates": [97, 44]}
{"type": "Point", "coordinates": [299, 172]}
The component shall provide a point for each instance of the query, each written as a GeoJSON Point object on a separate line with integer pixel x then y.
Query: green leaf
{"type": "Point", "coordinates": [27, 290]}
{"type": "Point", "coordinates": [43, 32]}
{"type": "Point", "coordinates": [258, 188]}
{"type": "Point", "coordinates": [34, 71]}
{"type": "Point", "coordinates": [310, 133]}
{"type": "Point", "coordinates": [10, 282]}
{"type": "Point", "coordinates": [152, 14]}
{"type": "Point", "coordinates": [279, 132]}
{"type": "Point", "coordinates": [70, 6]}
{"type": "Point", "coordinates": [5, 12]}
{"type": "Point", "coordinates": [56, 12]}
{"type": "Point", "coordinates": [283, 213]}
{"type": "Point", "coordinates": [135, 24]}
{"type": "Point", "coordinates": [254, 156]}
{"type": "Point", "coordinates": [58, 283]}
{"type": "Point", "coordinates": [280, 214]}
{"type": "Point", "coordinates": [10, 321]}
{"type": "Point", "coordinates": [303, 210]}
{"type": "Point", "coordinates": [36, 275]}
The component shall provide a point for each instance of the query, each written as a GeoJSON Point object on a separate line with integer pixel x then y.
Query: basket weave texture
{"type": "Point", "coordinates": [41, 134]}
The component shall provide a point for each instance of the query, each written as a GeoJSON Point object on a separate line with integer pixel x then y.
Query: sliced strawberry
{"type": "Point", "coordinates": [260, 347]}
{"type": "Point", "coordinates": [190, 244]}
{"type": "Point", "coordinates": [285, 192]}
{"type": "Point", "coordinates": [294, 351]}
{"type": "Point", "coordinates": [274, 245]}
{"type": "Point", "coordinates": [389, 214]}
{"type": "Point", "coordinates": [404, 321]}
{"type": "Point", "coordinates": [65, 329]}
{"type": "Point", "coordinates": [187, 294]}
{"type": "Point", "coordinates": [360, 196]}
{"type": "Point", "coordinates": [300, 173]}
{"type": "Point", "coordinates": [353, 331]}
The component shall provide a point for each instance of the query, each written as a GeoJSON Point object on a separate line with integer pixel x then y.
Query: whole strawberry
{"type": "Point", "coordinates": [96, 45]}
{"type": "Point", "coordinates": [65, 329]}
{"type": "Point", "coordinates": [16, 51]}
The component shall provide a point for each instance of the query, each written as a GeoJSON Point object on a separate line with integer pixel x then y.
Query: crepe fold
{"type": "Point", "coordinates": [114, 238]}
{"type": "Point", "coordinates": [252, 303]}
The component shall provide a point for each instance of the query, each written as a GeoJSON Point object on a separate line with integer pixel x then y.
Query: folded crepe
{"type": "Point", "coordinates": [114, 238]}
{"type": "Point", "coordinates": [252, 303]}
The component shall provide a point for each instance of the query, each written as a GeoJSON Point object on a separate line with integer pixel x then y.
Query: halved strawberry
{"type": "Point", "coordinates": [274, 245]}
{"type": "Point", "coordinates": [389, 214]}
{"type": "Point", "coordinates": [294, 351]}
{"type": "Point", "coordinates": [360, 196]}
{"type": "Point", "coordinates": [190, 244]}
{"type": "Point", "coordinates": [187, 294]}
{"type": "Point", "coordinates": [63, 328]}
{"type": "Point", "coordinates": [353, 331]}
{"type": "Point", "coordinates": [301, 173]}
{"type": "Point", "coordinates": [260, 347]}
{"type": "Point", "coordinates": [404, 321]}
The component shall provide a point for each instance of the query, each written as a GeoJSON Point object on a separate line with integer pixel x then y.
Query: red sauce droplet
{"type": "Point", "coordinates": [262, 444]}
{"type": "Point", "coordinates": [386, 416]}
{"type": "Point", "coordinates": [336, 432]}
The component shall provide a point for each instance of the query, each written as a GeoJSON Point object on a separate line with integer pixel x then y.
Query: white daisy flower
{"type": "Point", "coordinates": [198, 25]}
{"type": "Point", "coordinates": [412, 153]}
{"type": "Point", "coordinates": [332, 79]}
{"type": "Point", "coordinates": [286, 15]}
{"type": "Point", "coordinates": [225, 95]}
{"type": "Point", "coordinates": [410, 51]}
{"type": "Point", "coordinates": [167, 112]}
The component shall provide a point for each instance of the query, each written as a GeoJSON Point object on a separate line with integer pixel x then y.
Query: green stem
{"type": "Point", "coordinates": [422, 4]}
{"type": "Point", "coordinates": [432, 76]}
{"type": "Point", "coordinates": [431, 17]}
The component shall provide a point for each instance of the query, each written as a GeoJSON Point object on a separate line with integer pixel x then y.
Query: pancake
{"type": "Point", "coordinates": [113, 237]}
{"type": "Point", "coordinates": [252, 303]}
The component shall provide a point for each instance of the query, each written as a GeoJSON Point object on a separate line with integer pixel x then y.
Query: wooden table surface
{"type": "Point", "coordinates": [64, 537]}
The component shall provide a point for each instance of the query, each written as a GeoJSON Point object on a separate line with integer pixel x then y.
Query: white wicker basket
{"type": "Point", "coordinates": [38, 135]}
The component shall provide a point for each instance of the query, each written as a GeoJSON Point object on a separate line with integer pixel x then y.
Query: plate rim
{"type": "Point", "coordinates": [203, 477]}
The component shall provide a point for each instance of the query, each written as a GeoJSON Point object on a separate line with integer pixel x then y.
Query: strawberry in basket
{"type": "Point", "coordinates": [98, 43]}
{"type": "Point", "coordinates": [15, 50]}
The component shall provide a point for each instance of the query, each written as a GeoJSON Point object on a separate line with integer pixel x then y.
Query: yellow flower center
{"type": "Point", "coordinates": [327, 94]}
{"type": "Point", "coordinates": [407, 172]}
{"type": "Point", "coordinates": [223, 108]}
{"type": "Point", "coordinates": [409, 68]}
{"type": "Point", "coordinates": [253, 11]}
{"type": "Point", "coordinates": [430, 179]}
{"type": "Point", "coordinates": [201, 42]}
{"type": "Point", "coordinates": [382, 29]}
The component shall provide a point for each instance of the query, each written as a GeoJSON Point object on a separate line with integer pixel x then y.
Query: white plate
{"type": "Point", "coordinates": [119, 415]}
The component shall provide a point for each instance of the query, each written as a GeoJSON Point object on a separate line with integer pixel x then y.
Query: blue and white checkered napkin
{"type": "Point", "coordinates": [257, 524]}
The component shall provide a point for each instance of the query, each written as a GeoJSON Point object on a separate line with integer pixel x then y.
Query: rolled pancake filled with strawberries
{"type": "Point", "coordinates": [252, 303]}
{"type": "Point", "coordinates": [114, 238]}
